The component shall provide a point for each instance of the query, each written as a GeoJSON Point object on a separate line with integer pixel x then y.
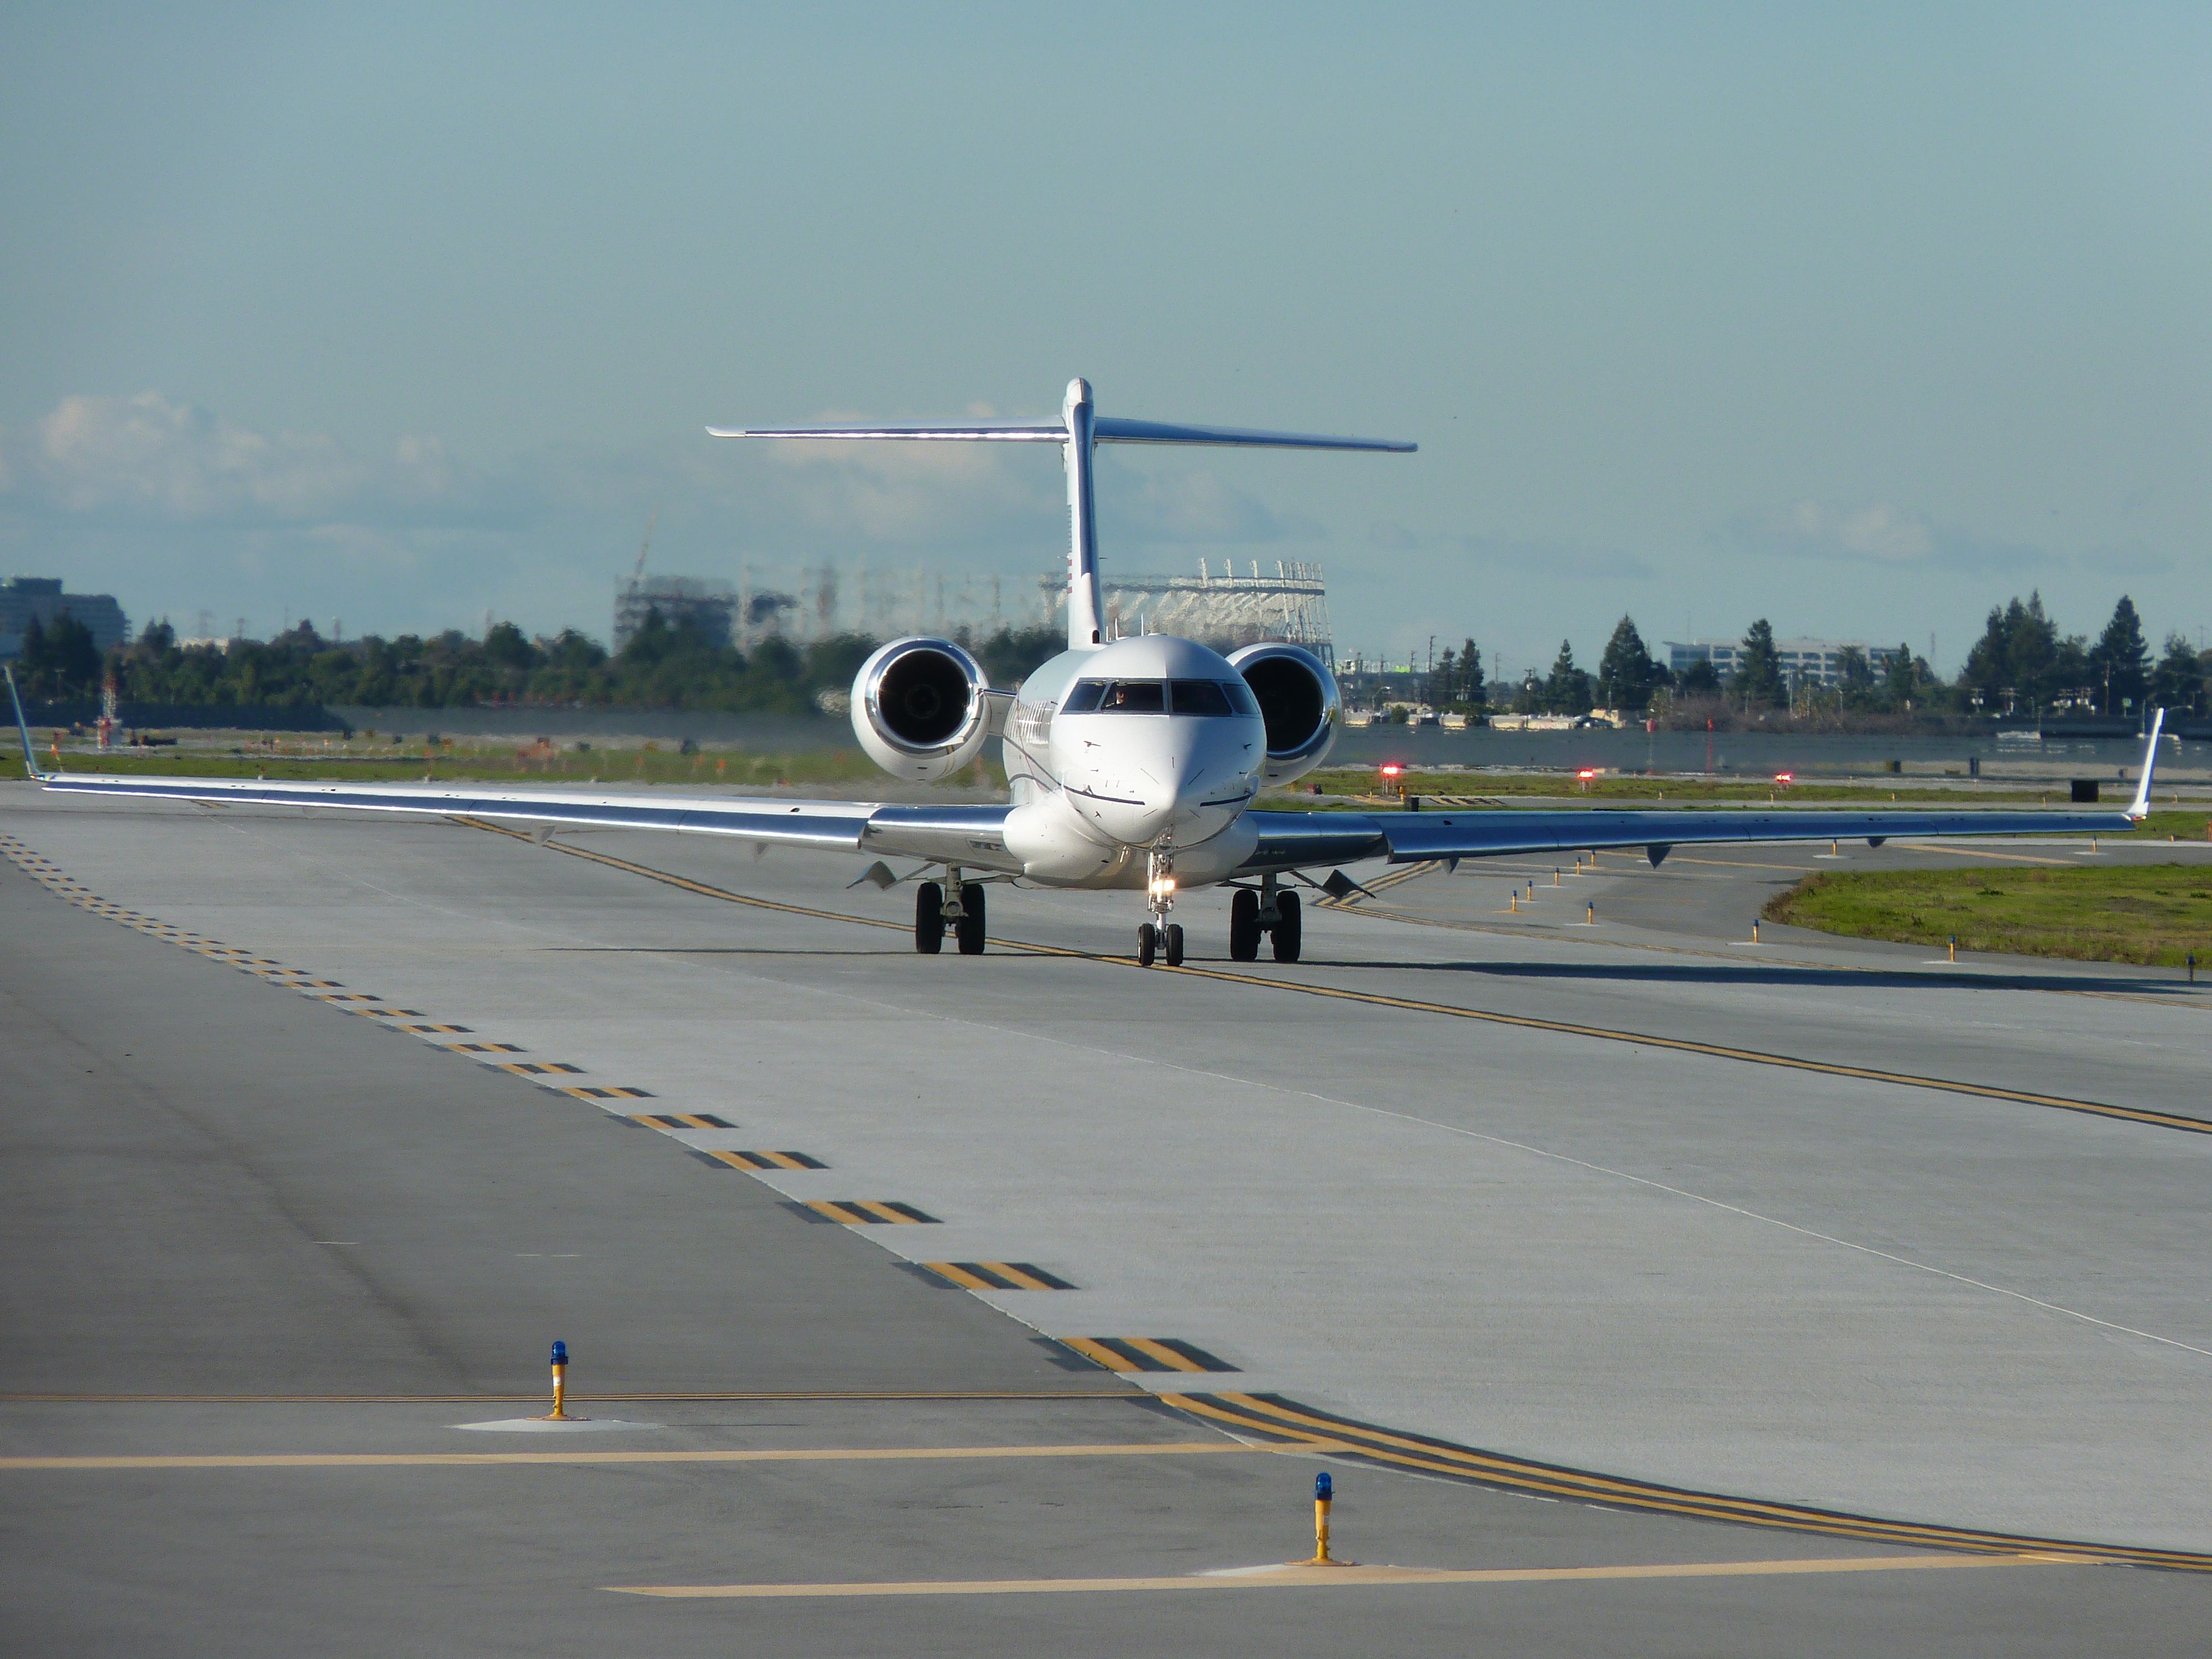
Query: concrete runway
{"type": "Point", "coordinates": [1816, 1223]}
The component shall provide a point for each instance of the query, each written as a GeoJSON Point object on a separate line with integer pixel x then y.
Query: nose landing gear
{"type": "Point", "coordinates": [1160, 936]}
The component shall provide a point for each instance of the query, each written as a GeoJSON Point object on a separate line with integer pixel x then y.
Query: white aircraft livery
{"type": "Point", "coordinates": [1131, 763]}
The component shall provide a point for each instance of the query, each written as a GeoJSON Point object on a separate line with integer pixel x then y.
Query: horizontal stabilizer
{"type": "Point", "coordinates": [952, 434]}
{"type": "Point", "coordinates": [1110, 430]}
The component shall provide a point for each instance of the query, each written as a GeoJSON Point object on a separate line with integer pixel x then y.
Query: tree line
{"type": "Point", "coordinates": [2022, 665]}
{"type": "Point", "coordinates": [660, 666]}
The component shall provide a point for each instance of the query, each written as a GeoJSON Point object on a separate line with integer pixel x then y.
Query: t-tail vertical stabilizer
{"type": "Point", "coordinates": [1079, 431]}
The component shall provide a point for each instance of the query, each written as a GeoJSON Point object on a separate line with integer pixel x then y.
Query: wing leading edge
{"type": "Point", "coordinates": [972, 836]}
{"type": "Point", "coordinates": [1291, 840]}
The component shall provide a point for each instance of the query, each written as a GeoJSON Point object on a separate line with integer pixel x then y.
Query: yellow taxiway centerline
{"type": "Point", "coordinates": [1412, 1005]}
{"type": "Point", "coordinates": [767, 1455]}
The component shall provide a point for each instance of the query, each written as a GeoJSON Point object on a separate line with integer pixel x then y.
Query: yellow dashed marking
{"type": "Point", "coordinates": [998, 1276]}
{"type": "Point", "coordinates": [765, 1160]}
{"type": "Point", "coordinates": [1145, 1353]}
{"type": "Point", "coordinates": [867, 1211]}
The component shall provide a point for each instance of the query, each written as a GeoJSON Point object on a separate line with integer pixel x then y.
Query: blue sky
{"type": "Point", "coordinates": [1859, 319]}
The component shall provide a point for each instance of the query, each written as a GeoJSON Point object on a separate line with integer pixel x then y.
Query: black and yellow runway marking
{"type": "Point", "coordinates": [1413, 1005]}
{"type": "Point", "coordinates": [593, 1091]}
{"type": "Point", "coordinates": [762, 1160]}
{"type": "Point", "coordinates": [1143, 1353]}
{"type": "Point", "coordinates": [1274, 1420]}
{"type": "Point", "coordinates": [867, 1211]}
{"type": "Point", "coordinates": [681, 1121]}
{"type": "Point", "coordinates": [436, 1030]}
{"type": "Point", "coordinates": [997, 1276]}
{"type": "Point", "coordinates": [536, 1067]}
{"type": "Point", "coordinates": [483, 1048]}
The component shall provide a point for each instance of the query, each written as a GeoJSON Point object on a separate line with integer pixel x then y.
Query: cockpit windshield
{"type": "Point", "coordinates": [1205, 698]}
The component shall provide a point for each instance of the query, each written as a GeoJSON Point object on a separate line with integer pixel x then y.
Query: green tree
{"type": "Point", "coordinates": [505, 646]}
{"type": "Point", "coordinates": [59, 661]}
{"type": "Point", "coordinates": [2120, 664]}
{"type": "Point", "coordinates": [1854, 676]}
{"type": "Point", "coordinates": [1473, 693]}
{"type": "Point", "coordinates": [1700, 679]}
{"type": "Point", "coordinates": [1758, 677]}
{"type": "Point", "coordinates": [1625, 674]}
{"type": "Point", "coordinates": [2177, 682]}
{"type": "Point", "coordinates": [1567, 688]}
{"type": "Point", "coordinates": [2021, 660]}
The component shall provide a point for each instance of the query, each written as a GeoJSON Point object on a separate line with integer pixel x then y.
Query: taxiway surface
{"type": "Point", "coordinates": [1637, 1199]}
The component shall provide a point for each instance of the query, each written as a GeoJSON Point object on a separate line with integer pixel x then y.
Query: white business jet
{"type": "Point", "coordinates": [1131, 762]}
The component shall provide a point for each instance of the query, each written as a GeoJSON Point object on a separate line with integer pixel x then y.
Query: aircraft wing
{"type": "Point", "coordinates": [1290, 841]}
{"type": "Point", "coordinates": [969, 836]}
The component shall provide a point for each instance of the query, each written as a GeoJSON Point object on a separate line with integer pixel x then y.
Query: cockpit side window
{"type": "Point", "coordinates": [1241, 698]}
{"type": "Point", "coordinates": [1198, 697]}
{"type": "Point", "coordinates": [1083, 697]}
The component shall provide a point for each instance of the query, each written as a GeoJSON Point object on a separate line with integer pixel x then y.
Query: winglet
{"type": "Point", "coordinates": [2139, 809]}
{"type": "Point", "coordinates": [31, 767]}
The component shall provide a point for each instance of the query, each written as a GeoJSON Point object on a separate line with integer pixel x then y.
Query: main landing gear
{"type": "Point", "coordinates": [1270, 911]}
{"type": "Point", "coordinates": [965, 913]}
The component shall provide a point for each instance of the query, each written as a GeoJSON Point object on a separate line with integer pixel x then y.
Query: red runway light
{"type": "Point", "coordinates": [1392, 769]}
{"type": "Point", "coordinates": [1785, 777]}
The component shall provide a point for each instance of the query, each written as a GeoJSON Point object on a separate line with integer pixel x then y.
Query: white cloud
{"type": "Point", "coordinates": [1559, 558]}
{"type": "Point", "coordinates": [914, 491]}
{"type": "Point", "coordinates": [1178, 505]}
{"type": "Point", "coordinates": [1878, 534]}
{"type": "Point", "coordinates": [143, 455]}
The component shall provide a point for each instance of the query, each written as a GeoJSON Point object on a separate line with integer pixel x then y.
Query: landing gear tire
{"type": "Point", "coordinates": [1175, 944]}
{"type": "Point", "coordinates": [929, 918]}
{"type": "Point", "coordinates": [1148, 944]}
{"type": "Point", "coordinates": [1290, 930]}
{"type": "Point", "coordinates": [969, 928]}
{"type": "Point", "coordinates": [1244, 926]}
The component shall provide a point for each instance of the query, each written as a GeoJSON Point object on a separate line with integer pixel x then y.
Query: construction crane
{"type": "Point", "coordinates": [645, 546]}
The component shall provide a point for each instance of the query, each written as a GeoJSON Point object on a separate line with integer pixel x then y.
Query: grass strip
{"type": "Point", "coordinates": [2154, 915]}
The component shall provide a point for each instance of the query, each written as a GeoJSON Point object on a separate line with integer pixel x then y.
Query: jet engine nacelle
{"type": "Point", "coordinates": [1299, 700]}
{"type": "Point", "coordinates": [918, 708]}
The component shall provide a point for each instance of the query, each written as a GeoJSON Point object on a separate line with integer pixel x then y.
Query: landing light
{"type": "Point", "coordinates": [1163, 887]}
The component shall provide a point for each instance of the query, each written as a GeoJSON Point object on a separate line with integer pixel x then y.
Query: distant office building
{"type": "Point", "coordinates": [1804, 662]}
{"type": "Point", "coordinates": [683, 602]}
{"type": "Point", "coordinates": [23, 598]}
